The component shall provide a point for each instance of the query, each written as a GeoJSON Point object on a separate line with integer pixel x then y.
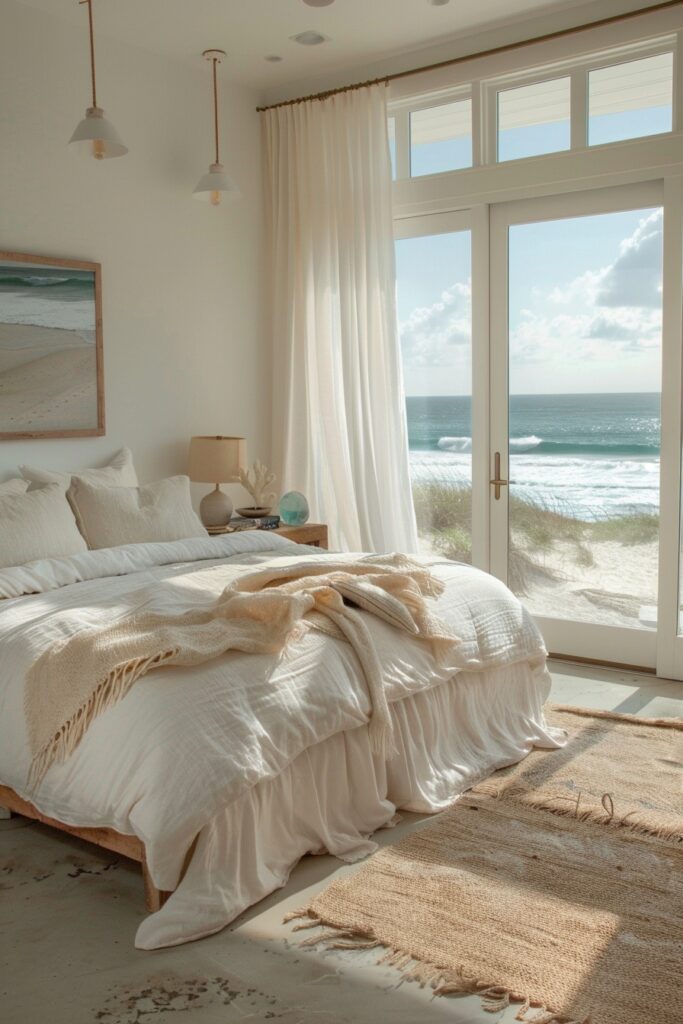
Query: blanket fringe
{"type": "Point", "coordinates": [443, 981]}
{"type": "Point", "coordinates": [107, 693]}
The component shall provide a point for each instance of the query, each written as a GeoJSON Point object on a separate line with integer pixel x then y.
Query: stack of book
{"type": "Point", "coordinates": [262, 523]}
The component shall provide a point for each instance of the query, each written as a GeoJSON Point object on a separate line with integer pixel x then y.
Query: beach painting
{"type": "Point", "coordinates": [51, 372]}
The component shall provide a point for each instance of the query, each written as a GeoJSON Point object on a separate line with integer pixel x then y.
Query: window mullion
{"type": "Point", "coordinates": [677, 112]}
{"type": "Point", "coordinates": [478, 125]}
{"type": "Point", "coordinates": [402, 144]}
{"type": "Point", "coordinates": [490, 110]}
{"type": "Point", "coordinates": [579, 108]}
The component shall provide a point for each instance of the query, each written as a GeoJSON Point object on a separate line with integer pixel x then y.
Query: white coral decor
{"type": "Point", "coordinates": [263, 478]}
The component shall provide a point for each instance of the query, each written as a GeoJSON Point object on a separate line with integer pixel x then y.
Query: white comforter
{"type": "Point", "coordinates": [185, 743]}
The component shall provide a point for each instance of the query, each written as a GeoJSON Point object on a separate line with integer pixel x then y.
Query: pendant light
{"type": "Point", "coordinates": [95, 133]}
{"type": "Point", "coordinates": [212, 186]}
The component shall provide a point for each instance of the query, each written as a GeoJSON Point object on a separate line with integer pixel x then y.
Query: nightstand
{"type": "Point", "coordinates": [310, 533]}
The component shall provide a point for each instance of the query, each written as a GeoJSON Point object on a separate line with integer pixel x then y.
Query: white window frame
{"type": "Point", "coordinates": [401, 111]}
{"type": "Point", "coordinates": [483, 93]}
{"type": "Point", "coordinates": [597, 642]}
{"type": "Point", "coordinates": [474, 194]}
{"type": "Point", "coordinates": [577, 70]}
{"type": "Point", "coordinates": [476, 221]}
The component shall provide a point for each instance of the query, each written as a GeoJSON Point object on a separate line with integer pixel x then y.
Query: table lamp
{"type": "Point", "coordinates": [216, 460]}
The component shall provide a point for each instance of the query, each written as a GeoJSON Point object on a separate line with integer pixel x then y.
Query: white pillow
{"type": "Point", "coordinates": [38, 524]}
{"type": "Point", "coordinates": [119, 472]}
{"type": "Point", "coordinates": [15, 486]}
{"type": "Point", "coordinates": [110, 516]}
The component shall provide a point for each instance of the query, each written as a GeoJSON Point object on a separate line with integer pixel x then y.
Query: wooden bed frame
{"type": "Point", "coordinates": [108, 838]}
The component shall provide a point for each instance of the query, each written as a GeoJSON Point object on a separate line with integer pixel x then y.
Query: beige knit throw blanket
{"type": "Point", "coordinates": [261, 612]}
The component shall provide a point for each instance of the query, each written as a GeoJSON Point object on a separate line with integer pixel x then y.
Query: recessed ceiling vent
{"type": "Point", "coordinates": [309, 38]}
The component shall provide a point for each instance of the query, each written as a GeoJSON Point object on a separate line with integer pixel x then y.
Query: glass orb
{"type": "Point", "coordinates": [294, 510]}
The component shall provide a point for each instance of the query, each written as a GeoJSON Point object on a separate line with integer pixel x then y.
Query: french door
{"type": "Point", "coordinates": [541, 348]}
{"type": "Point", "coordinates": [576, 371]}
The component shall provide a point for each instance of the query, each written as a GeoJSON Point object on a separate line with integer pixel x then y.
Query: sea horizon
{"type": "Point", "coordinates": [592, 455]}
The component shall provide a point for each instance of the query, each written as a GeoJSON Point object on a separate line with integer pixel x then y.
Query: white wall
{"type": "Point", "coordinates": [184, 338]}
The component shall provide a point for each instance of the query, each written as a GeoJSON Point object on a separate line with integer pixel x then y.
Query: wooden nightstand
{"type": "Point", "coordinates": [310, 533]}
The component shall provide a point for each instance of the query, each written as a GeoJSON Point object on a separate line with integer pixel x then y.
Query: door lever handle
{"type": "Point", "coordinates": [497, 482]}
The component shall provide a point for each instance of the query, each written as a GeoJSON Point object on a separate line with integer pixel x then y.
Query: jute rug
{"type": "Point", "coordinates": [556, 884]}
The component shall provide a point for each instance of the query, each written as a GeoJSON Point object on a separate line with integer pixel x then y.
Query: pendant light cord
{"type": "Point", "coordinates": [215, 106]}
{"type": "Point", "coordinates": [92, 50]}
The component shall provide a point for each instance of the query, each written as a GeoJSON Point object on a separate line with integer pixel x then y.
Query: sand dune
{"type": "Point", "coordinates": [22, 343]}
{"type": "Point", "coordinates": [618, 589]}
{"type": "Point", "coordinates": [52, 392]}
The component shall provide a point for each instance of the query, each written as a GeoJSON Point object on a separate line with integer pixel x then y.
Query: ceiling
{"type": "Point", "coordinates": [359, 31]}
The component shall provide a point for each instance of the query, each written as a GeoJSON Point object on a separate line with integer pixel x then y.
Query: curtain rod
{"type": "Point", "coordinates": [506, 48]}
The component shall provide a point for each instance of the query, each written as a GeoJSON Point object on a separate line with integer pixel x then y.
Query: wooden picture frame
{"type": "Point", "coordinates": [67, 367]}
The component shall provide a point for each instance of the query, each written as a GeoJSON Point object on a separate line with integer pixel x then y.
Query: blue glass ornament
{"type": "Point", "coordinates": [294, 510]}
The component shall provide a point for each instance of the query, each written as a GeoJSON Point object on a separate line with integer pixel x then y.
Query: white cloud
{"type": "Point", "coordinates": [635, 277]}
{"type": "Point", "coordinates": [603, 326]}
{"type": "Point", "coordinates": [436, 335]}
{"type": "Point", "coordinates": [613, 310]}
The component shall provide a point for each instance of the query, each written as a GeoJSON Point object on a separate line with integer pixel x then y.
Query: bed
{"type": "Point", "coordinates": [220, 777]}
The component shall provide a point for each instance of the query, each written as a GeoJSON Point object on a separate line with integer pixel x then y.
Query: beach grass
{"type": "Point", "coordinates": [444, 515]}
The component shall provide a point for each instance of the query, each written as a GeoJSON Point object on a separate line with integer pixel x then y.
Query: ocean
{"type": "Point", "coordinates": [591, 456]}
{"type": "Point", "coordinates": [47, 297]}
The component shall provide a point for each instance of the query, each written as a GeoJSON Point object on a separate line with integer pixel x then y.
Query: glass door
{"type": "Point", "coordinates": [445, 382]}
{"type": "Point", "coordinates": [576, 372]}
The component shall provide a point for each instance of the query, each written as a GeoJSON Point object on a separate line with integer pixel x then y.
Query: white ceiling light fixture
{"type": "Point", "coordinates": [309, 38]}
{"type": "Point", "coordinates": [318, 3]}
{"type": "Point", "coordinates": [439, 3]}
{"type": "Point", "coordinates": [94, 132]}
{"type": "Point", "coordinates": [216, 184]}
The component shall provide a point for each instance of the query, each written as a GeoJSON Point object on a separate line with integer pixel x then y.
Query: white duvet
{"type": "Point", "coordinates": [185, 744]}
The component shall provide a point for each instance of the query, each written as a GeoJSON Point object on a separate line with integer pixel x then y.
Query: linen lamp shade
{"type": "Point", "coordinates": [216, 460]}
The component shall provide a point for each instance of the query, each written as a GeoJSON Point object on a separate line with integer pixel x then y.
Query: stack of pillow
{"type": "Point", "coordinates": [48, 515]}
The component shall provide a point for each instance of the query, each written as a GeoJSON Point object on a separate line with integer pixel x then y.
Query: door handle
{"type": "Point", "coordinates": [497, 482]}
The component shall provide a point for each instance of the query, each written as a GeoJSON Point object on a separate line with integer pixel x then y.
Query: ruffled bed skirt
{"type": "Point", "coordinates": [334, 795]}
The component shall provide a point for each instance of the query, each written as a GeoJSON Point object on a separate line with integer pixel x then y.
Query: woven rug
{"type": "Point", "coordinates": [556, 884]}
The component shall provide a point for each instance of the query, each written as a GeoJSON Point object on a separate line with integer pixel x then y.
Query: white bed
{"type": "Point", "coordinates": [251, 761]}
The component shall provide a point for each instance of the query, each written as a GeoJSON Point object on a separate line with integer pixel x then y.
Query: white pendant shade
{"type": "Point", "coordinates": [99, 135]}
{"type": "Point", "coordinates": [216, 185]}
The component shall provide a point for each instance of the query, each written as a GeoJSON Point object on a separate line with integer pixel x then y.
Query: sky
{"type": "Point", "coordinates": [584, 307]}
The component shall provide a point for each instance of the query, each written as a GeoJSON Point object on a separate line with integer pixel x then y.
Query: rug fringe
{"type": "Point", "coordinates": [636, 821]}
{"type": "Point", "coordinates": [494, 998]}
{"type": "Point", "coordinates": [619, 716]}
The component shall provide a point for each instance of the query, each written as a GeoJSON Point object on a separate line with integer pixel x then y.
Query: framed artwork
{"type": "Point", "coordinates": [51, 367]}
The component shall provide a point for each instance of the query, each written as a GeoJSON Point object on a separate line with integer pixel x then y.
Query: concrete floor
{"type": "Point", "coordinates": [69, 913]}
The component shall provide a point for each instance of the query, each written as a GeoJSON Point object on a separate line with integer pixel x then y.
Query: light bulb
{"type": "Point", "coordinates": [215, 198]}
{"type": "Point", "coordinates": [98, 149]}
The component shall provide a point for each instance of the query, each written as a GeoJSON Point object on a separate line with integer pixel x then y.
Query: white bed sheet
{"type": "Point", "coordinates": [334, 795]}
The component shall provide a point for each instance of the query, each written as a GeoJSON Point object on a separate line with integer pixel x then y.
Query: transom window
{"type": "Point", "coordinates": [629, 100]}
{"type": "Point", "coordinates": [534, 119]}
{"type": "Point", "coordinates": [593, 101]}
{"type": "Point", "coordinates": [441, 138]}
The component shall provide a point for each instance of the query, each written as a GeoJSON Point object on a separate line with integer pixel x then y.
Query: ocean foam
{"type": "Point", "coordinates": [589, 487]}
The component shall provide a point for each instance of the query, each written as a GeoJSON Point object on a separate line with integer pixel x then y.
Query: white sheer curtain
{"type": "Point", "coordinates": [339, 421]}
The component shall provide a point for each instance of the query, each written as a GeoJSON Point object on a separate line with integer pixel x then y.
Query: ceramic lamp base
{"type": "Point", "coordinates": [215, 508]}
